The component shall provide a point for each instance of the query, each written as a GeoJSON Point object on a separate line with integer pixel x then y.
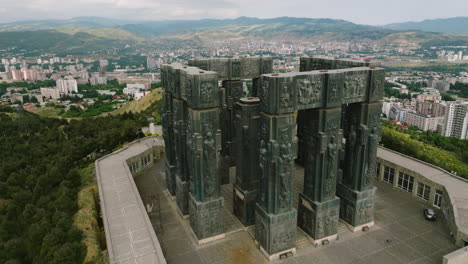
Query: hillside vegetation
{"type": "Point", "coordinates": [46, 213]}
{"type": "Point", "coordinates": [81, 35]}
{"type": "Point", "coordinates": [448, 153]}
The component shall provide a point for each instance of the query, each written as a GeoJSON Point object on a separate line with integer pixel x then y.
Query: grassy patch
{"type": "Point", "coordinates": [47, 112]}
{"type": "Point", "coordinates": [140, 105]}
{"type": "Point", "coordinates": [86, 219]}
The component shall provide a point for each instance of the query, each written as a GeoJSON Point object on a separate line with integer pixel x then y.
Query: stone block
{"type": "Point", "coordinates": [310, 90]}
{"type": "Point", "coordinates": [236, 69]}
{"type": "Point", "coordinates": [376, 84]}
{"type": "Point", "coordinates": [206, 218]}
{"type": "Point", "coordinates": [318, 220]}
{"type": "Point", "coordinates": [357, 208]}
{"type": "Point", "coordinates": [277, 94]}
{"type": "Point", "coordinates": [201, 88]}
{"type": "Point", "coordinates": [244, 205]}
{"type": "Point", "coordinates": [275, 233]}
{"type": "Point", "coordinates": [356, 83]}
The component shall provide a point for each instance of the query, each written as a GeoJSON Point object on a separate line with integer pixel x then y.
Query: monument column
{"type": "Point", "coordinates": [321, 139]}
{"type": "Point", "coordinates": [318, 206]}
{"type": "Point", "coordinates": [275, 217]}
{"type": "Point", "coordinates": [204, 146]}
{"type": "Point", "coordinates": [357, 190]}
{"type": "Point", "coordinates": [233, 91]}
{"type": "Point", "coordinates": [247, 169]}
{"type": "Point", "coordinates": [168, 131]}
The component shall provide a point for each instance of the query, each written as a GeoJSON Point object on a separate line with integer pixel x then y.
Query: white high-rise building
{"type": "Point", "coordinates": [456, 120]}
{"type": "Point", "coordinates": [67, 86]}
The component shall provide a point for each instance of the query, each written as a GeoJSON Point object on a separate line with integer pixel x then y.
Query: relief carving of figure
{"type": "Point", "coordinates": [207, 93]}
{"type": "Point", "coordinates": [285, 95]}
{"type": "Point", "coordinates": [263, 152]}
{"type": "Point", "coordinates": [372, 152]}
{"type": "Point", "coordinates": [209, 161]}
{"type": "Point", "coordinates": [331, 162]}
{"type": "Point", "coordinates": [285, 159]}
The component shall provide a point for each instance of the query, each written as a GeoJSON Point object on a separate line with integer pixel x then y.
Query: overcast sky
{"type": "Point", "coordinates": [372, 12]}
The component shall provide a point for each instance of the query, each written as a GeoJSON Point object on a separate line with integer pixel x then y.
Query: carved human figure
{"type": "Point", "coordinates": [371, 155]}
{"type": "Point", "coordinates": [285, 96]}
{"type": "Point", "coordinates": [209, 162]}
{"type": "Point", "coordinates": [284, 169]}
{"type": "Point", "coordinates": [331, 170]}
{"type": "Point", "coordinates": [263, 152]}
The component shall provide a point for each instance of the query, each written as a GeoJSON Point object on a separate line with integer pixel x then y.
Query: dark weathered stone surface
{"type": "Point", "coordinates": [205, 217]}
{"type": "Point", "coordinates": [357, 208]}
{"type": "Point", "coordinates": [207, 130]}
{"type": "Point", "coordinates": [322, 139]}
{"type": "Point", "coordinates": [320, 63]}
{"type": "Point", "coordinates": [247, 169]}
{"type": "Point", "coordinates": [275, 232]}
{"type": "Point", "coordinates": [318, 219]}
{"type": "Point", "coordinates": [236, 69]}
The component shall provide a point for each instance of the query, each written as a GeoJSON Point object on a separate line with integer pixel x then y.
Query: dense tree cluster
{"type": "Point", "coordinates": [460, 88]}
{"type": "Point", "coordinates": [39, 181]}
{"type": "Point", "coordinates": [448, 153]}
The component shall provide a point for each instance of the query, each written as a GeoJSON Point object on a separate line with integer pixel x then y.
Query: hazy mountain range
{"type": "Point", "coordinates": [88, 33]}
{"type": "Point", "coordinates": [456, 25]}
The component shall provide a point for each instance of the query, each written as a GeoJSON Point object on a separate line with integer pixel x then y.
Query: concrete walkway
{"type": "Point", "coordinates": [129, 234]}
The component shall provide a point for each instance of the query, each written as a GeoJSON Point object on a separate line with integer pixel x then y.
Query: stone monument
{"type": "Point", "coordinates": [210, 127]}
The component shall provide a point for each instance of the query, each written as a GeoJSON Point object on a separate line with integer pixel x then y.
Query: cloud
{"type": "Point", "coordinates": [360, 11]}
{"type": "Point", "coordinates": [125, 9]}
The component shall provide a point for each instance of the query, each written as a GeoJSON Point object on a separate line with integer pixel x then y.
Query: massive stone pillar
{"type": "Point", "coordinates": [232, 91]}
{"type": "Point", "coordinates": [180, 142]}
{"type": "Point", "coordinates": [168, 135]}
{"type": "Point", "coordinates": [318, 206]}
{"type": "Point", "coordinates": [168, 129]}
{"type": "Point", "coordinates": [275, 217]}
{"type": "Point", "coordinates": [247, 160]}
{"type": "Point", "coordinates": [204, 146]}
{"type": "Point", "coordinates": [357, 190]}
{"type": "Point", "coordinates": [362, 132]}
{"type": "Point", "coordinates": [321, 139]}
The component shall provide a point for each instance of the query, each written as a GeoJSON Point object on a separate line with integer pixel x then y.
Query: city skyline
{"type": "Point", "coordinates": [360, 12]}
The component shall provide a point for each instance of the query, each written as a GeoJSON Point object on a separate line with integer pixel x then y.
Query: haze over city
{"type": "Point", "coordinates": [368, 12]}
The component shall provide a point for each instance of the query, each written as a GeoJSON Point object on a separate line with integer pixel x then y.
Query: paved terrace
{"type": "Point", "coordinates": [456, 187]}
{"type": "Point", "coordinates": [401, 234]}
{"type": "Point", "coordinates": [129, 234]}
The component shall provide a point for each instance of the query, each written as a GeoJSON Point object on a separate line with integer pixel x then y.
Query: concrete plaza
{"type": "Point", "coordinates": [401, 234]}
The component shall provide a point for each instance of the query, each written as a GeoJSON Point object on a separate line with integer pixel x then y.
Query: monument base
{"type": "Point", "coordinates": [355, 229]}
{"type": "Point", "coordinates": [318, 220]}
{"type": "Point", "coordinates": [328, 238]}
{"type": "Point", "coordinates": [211, 239]}
{"type": "Point", "coordinates": [276, 256]}
{"type": "Point", "coordinates": [206, 218]}
{"type": "Point", "coordinates": [182, 191]}
{"type": "Point", "coordinates": [275, 233]}
{"type": "Point", "coordinates": [357, 207]}
{"type": "Point", "coordinates": [170, 178]}
{"type": "Point", "coordinates": [244, 206]}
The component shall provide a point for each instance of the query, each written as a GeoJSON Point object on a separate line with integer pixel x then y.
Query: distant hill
{"type": "Point", "coordinates": [67, 40]}
{"type": "Point", "coordinates": [83, 34]}
{"type": "Point", "coordinates": [456, 25]}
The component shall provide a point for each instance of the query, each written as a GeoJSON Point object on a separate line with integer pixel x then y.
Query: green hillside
{"type": "Point", "coordinates": [66, 40]}
{"type": "Point", "coordinates": [455, 25]}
